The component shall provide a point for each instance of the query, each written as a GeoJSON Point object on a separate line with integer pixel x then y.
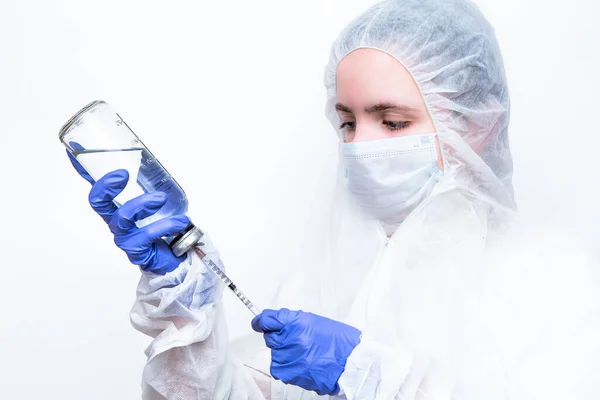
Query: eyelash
{"type": "Point", "coordinates": [396, 125]}
{"type": "Point", "coordinates": [391, 125]}
{"type": "Point", "coordinates": [345, 124]}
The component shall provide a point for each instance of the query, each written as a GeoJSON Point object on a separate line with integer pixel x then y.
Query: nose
{"type": "Point", "coordinates": [367, 131]}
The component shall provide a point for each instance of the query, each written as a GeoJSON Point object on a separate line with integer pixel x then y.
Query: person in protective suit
{"type": "Point", "coordinates": [442, 291]}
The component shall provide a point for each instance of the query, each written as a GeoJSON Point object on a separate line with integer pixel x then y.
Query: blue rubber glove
{"type": "Point", "coordinates": [307, 350]}
{"type": "Point", "coordinates": [143, 246]}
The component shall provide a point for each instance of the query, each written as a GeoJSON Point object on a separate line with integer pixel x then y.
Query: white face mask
{"type": "Point", "coordinates": [390, 177]}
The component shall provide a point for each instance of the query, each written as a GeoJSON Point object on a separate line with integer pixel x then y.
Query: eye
{"type": "Point", "coordinates": [396, 125]}
{"type": "Point", "coordinates": [349, 125]}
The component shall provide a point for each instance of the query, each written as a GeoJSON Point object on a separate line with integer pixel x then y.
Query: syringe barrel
{"type": "Point", "coordinates": [225, 279]}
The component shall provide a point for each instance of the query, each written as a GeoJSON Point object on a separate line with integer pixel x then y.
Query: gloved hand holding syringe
{"type": "Point", "coordinates": [108, 154]}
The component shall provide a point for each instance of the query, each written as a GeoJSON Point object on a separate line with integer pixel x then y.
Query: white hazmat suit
{"type": "Point", "coordinates": [463, 302]}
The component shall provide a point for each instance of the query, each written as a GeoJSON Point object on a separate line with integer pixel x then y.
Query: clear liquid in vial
{"type": "Point", "coordinates": [146, 175]}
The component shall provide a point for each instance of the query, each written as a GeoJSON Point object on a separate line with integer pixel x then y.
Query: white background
{"type": "Point", "coordinates": [229, 96]}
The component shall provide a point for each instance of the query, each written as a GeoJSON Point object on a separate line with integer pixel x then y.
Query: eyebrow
{"type": "Point", "coordinates": [379, 107]}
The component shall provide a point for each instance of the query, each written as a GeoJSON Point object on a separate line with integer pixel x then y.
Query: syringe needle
{"type": "Point", "coordinates": [228, 282]}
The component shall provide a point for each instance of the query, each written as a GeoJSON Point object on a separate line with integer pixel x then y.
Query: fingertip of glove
{"type": "Point", "coordinates": [184, 219]}
{"type": "Point", "coordinates": [157, 197]}
{"type": "Point", "coordinates": [119, 174]}
{"type": "Point", "coordinates": [256, 324]}
{"type": "Point", "coordinates": [115, 179]}
{"type": "Point", "coordinates": [180, 221]}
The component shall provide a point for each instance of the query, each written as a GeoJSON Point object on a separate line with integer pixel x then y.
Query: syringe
{"type": "Point", "coordinates": [228, 282]}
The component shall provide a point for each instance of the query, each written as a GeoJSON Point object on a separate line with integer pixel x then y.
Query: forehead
{"type": "Point", "coordinates": [367, 76]}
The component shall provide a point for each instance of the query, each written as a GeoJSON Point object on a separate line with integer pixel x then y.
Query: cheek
{"type": "Point", "coordinates": [429, 123]}
{"type": "Point", "coordinates": [439, 151]}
